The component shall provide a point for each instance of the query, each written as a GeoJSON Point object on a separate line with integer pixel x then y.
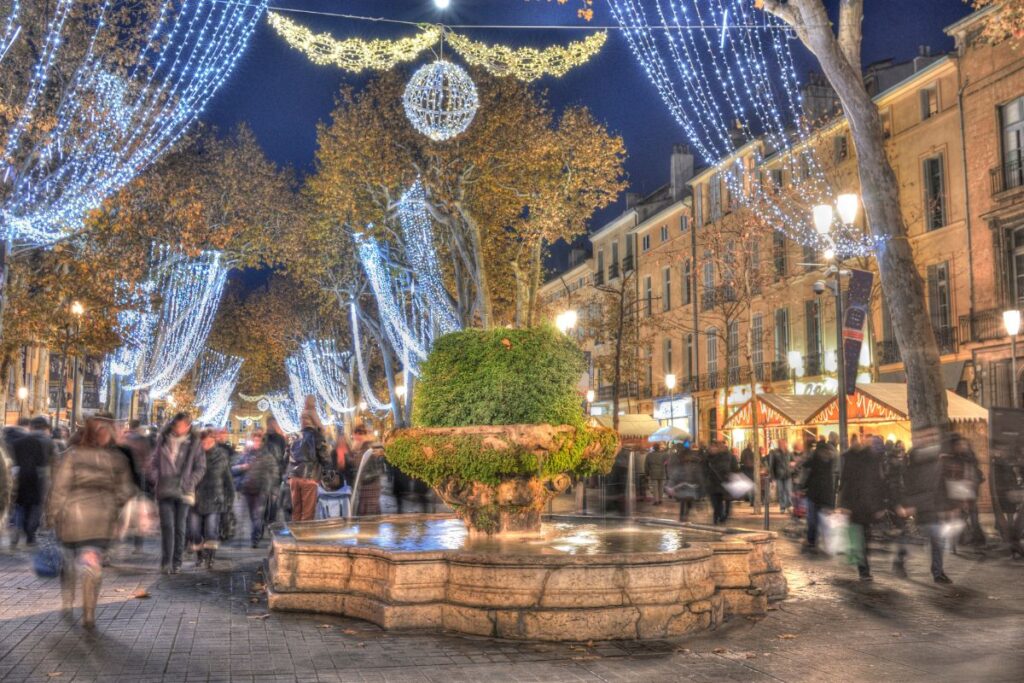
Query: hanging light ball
{"type": "Point", "coordinates": [440, 100]}
{"type": "Point", "coordinates": [263, 405]}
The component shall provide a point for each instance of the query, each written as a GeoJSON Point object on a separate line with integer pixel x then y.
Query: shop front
{"type": "Point", "coordinates": [676, 411]}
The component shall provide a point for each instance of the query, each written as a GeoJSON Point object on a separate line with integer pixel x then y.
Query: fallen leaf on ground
{"type": "Point", "coordinates": [54, 674]}
{"type": "Point", "coordinates": [788, 636]}
{"type": "Point", "coordinates": [120, 590]}
{"type": "Point", "coordinates": [140, 594]}
{"type": "Point", "coordinates": [719, 650]}
{"type": "Point", "coordinates": [259, 616]}
{"type": "Point", "coordinates": [254, 600]}
{"type": "Point", "coordinates": [324, 626]}
{"type": "Point", "coordinates": [349, 631]}
{"type": "Point", "coordinates": [683, 650]}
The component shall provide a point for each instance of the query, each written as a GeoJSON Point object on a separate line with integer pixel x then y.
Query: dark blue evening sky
{"type": "Point", "coordinates": [282, 96]}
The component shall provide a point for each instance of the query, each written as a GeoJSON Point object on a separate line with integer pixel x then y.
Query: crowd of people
{"type": "Point", "coordinates": [932, 489]}
{"type": "Point", "coordinates": [102, 485]}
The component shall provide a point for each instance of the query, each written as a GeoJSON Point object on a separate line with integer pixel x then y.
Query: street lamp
{"type": "Point", "coordinates": [590, 399]}
{"type": "Point", "coordinates": [363, 406]}
{"type": "Point", "coordinates": [77, 310]}
{"type": "Point", "coordinates": [1011, 321]}
{"type": "Point", "coordinates": [565, 321]}
{"type": "Point", "coordinates": [400, 391]}
{"type": "Point", "coordinates": [796, 366]}
{"type": "Point", "coordinates": [22, 395]}
{"type": "Point", "coordinates": [847, 206]}
{"type": "Point", "coordinates": [670, 384]}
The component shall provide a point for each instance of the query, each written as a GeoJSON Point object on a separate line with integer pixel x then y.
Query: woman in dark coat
{"type": "Point", "coordinates": [259, 477]}
{"type": "Point", "coordinates": [177, 466]}
{"type": "Point", "coordinates": [819, 485]}
{"type": "Point", "coordinates": [215, 495]}
{"type": "Point", "coordinates": [685, 473]}
{"type": "Point", "coordinates": [862, 495]}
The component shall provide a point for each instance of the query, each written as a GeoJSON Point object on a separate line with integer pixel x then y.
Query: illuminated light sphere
{"type": "Point", "coordinates": [442, 4]}
{"type": "Point", "coordinates": [440, 100]}
{"type": "Point", "coordinates": [263, 405]}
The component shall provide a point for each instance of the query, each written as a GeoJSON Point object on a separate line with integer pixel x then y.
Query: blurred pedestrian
{"type": "Point", "coordinates": [33, 453]}
{"type": "Point", "coordinates": [925, 499]}
{"type": "Point", "coordinates": [260, 476]}
{"type": "Point", "coordinates": [965, 479]}
{"type": "Point", "coordinates": [720, 467]}
{"type": "Point", "coordinates": [365, 447]}
{"type": "Point", "coordinates": [861, 496]}
{"type": "Point", "coordinates": [780, 466]}
{"type": "Point", "coordinates": [307, 460]}
{"type": "Point", "coordinates": [747, 465]}
{"type": "Point", "coordinates": [819, 486]}
{"type": "Point", "coordinates": [215, 495]}
{"type": "Point", "coordinates": [277, 445]}
{"type": "Point", "coordinates": [657, 470]}
{"type": "Point", "coordinates": [138, 446]}
{"type": "Point", "coordinates": [686, 480]}
{"type": "Point", "coordinates": [176, 468]}
{"type": "Point", "coordinates": [91, 484]}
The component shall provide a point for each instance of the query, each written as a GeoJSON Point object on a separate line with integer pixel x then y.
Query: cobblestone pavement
{"type": "Point", "coordinates": [214, 626]}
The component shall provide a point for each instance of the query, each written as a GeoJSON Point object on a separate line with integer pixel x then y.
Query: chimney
{"type": "Point", "coordinates": [681, 170]}
{"type": "Point", "coordinates": [632, 199]}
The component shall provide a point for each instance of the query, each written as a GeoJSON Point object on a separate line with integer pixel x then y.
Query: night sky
{"type": "Point", "coordinates": [282, 96]}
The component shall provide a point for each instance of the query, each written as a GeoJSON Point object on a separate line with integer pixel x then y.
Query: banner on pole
{"type": "Point", "coordinates": [858, 305]}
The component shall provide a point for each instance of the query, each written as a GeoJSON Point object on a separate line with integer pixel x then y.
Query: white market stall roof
{"type": "Point", "coordinates": [883, 401]}
{"type": "Point", "coordinates": [776, 410]}
{"type": "Point", "coordinates": [632, 426]}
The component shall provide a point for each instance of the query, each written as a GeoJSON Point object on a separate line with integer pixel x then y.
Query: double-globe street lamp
{"type": "Point", "coordinates": [847, 206]}
{"type": "Point", "coordinates": [670, 384]}
{"type": "Point", "coordinates": [1011, 321]}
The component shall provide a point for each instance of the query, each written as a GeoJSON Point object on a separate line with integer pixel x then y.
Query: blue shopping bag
{"type": "Point", "coordinates": [48, 558]}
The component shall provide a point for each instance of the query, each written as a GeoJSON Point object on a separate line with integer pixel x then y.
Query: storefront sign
{"type": "Point", "coordinates": [858, 301]}
{"type": "Point", "coordinates": [668, 409]}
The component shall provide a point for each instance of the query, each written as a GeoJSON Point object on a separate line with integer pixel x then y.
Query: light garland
{"type": "Point", "coordinates": [218, 376]}
{"type": "Point", "coordinates": [440, 100]}
{"type": "Point", "coordinates": [300, 386]}
{"type": "Point", "coordinates": [328, 372]}
{"type": "Point", "coordinates": [111, 126]}
{"type": "Point", "coordinates": [727, 75]}
{"type": "Point", "coordinates": [366, 390]}
{"type": "Point", "coordinates": [11, 30]}
{"type": "Point", "coordinates": [527, 63]}
{"type": "Point", "coordinates": [354, 54]}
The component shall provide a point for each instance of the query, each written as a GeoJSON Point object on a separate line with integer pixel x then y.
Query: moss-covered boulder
{"type": "Point", "coordinates": [499, 426]}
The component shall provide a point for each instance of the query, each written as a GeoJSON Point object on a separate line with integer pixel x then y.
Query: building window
{"type": "Point", "coordinates": [732, 352]}
{"type": "Point", "coordinates": [684, 223]}
{"type": "Point", "coordinates": [712, 352]}
{"type": "Point", "coordinates": [1018, 267]}
{"type": "Point", "coordinates": [810, 256]}
{"type": "Point", "coordinates": [688, 350]}
{"type": "Point", "coordinates": [708, 270]}
{"type": "Point", "coordinates": [715, 196]}
{"type": "Point", "coordinates": [664, 233]}
{"type": "Point", "coordinates": [646, 242]}
{"type": "Point", "coordinates": [776, 180]}
{"type": "Point", "coordinates": [757, 339]}
{"type": "Point", "coordinates": [666, 289]}
{"type": "Point", "coordinates": [687, 276]}
{"type": "Point", "coordinates": [648, 295]}
{"type": "Point", "coordinates": [779, 254]}
{"type": "Point", "coordinates": [940, 306]}
{"type": "Point", "coordinates": [1012, 116]}
{"type": "Point", "coordinates": [934, 193]}
{"type": "Point", "coordinates": [781, 335]}
{"type": "Point", "coordinates": [666, 356]}
{"type": "Point", "coordinates": [650, 367]}
{"type": "Point", "coordinates": [600, 262]}
{"type": "Point", "coordinates": [615, 257]}
{"type": "Point", "coordinates": [698, 205]}
{"type": "Point", "coordinates": [887, 123]}
{"type": "Point", "coordinates": [929, 102]}
{"type": "Point", "coordinates": [812, 325]}
{"type": "Point", "coordinates": [840, 148]}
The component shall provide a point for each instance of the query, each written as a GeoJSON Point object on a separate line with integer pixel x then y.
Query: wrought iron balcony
{"type": "Point", "coordinates": [814, 364]}
{"type": "Point", "coordinates": [888, 352]}
{"type": "Point", "coordinates": [613, 270]}
{"type": "Point", "coordinates": [627, 265]}
{"type": "Point", "coordinates": [945, 337]}
{"type": "Point", "coordinates": [598, 278]}
{"type": "Point", "coordinates": [1009, 175]}
{"type": "Point", "coordinates": [982, 326]}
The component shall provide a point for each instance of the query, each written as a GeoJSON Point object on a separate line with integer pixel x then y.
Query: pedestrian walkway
{"type": "Point", "coordinates": [203, 626]}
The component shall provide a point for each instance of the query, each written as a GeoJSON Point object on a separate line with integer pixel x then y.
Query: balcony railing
{"type": "Point", "coordinates": [814, 364]}
{"type": "Point", "coordinates": [598, 278]}
{"type": "Point", "coordinates": [709, 298]}
{"type": "Point", "coordinates": [627, 265]}
{"type": "Point", "coordinates": [945, 337]}
{"type": "Point", "coordinates": [613, 270]}
{"type": "Point", "coordinates": [1009, 175]}
{"type": "Point", "coordinates": [887, 352]}
{"type": "Point", "coordinates": [982, 326]}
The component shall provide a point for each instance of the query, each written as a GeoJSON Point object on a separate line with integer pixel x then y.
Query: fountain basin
{"type": "Point", "coordinates": [580, 579]}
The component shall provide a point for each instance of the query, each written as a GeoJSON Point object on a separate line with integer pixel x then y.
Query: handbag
{"type": "Point", "coordinates": [48, 559]}
{"type": "Point", "coordinates": [738, 485]}
{"type": "Point", "coordinates": [138, 518]}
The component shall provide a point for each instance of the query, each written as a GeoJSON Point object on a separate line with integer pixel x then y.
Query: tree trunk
{"type": "Point", "coordinates": [533, 287]}
{"type": "Point", "coordinates": [617, 377]}
{"type": "Point", "coordinates": [755, 438]}
{"type": "Point", "coordinates": [926, 395]}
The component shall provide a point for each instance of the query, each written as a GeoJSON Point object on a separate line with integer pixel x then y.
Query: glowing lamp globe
{"type": "Point", "coordinates": [440, 100]}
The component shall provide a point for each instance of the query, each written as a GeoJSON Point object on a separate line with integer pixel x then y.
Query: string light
{"type": "Point", "coordinates": [218, 376]}
{"type": "Point", "coordinates": [440, 100]}
{"type": "Point", "coordinates": [366, 391]}
{"type": "Point", "coordinates": [328, 371]}
{"type": "Point", "coordinates": [727, 75]}
{"type": "Point", "coordinates": [354, 54]}
{"type": "Point", "coordinates": [300, 385]}
{"type": "Point", "coordinates": [527, 63]}
{"type": "Point", "coordinates": [111, 125]}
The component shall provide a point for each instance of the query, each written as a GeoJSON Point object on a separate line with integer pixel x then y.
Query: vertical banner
{"type": "Point", "coordinates": [858, 302]}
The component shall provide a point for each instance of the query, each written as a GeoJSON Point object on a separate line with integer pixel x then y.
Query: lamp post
{"type": "Point", "coordinates": [22, 395]}
{"type": "Point", "coordinates": [1011, 320]}
{"type": "Point", "coordinates": [670, 384]}
{"type": "Point", "coordinates": [847, 206]}
{"type": "Point", "coordinates": [77, 310]}
{"type": "Point", "coordinates": [590, 400]}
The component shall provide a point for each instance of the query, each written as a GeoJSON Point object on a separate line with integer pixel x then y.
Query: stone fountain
{"type": "Point", "coordinates": [498, 566]}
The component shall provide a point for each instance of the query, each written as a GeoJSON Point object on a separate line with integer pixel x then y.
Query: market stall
{"type": "Point", "coordinates": [780, 417]}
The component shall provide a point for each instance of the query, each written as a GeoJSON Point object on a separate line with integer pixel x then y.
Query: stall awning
{"type": "Point", "coordinates": [777, 410]}
{"type": "Point", "coordinates": [952, 373]}
{"type": "Point", "coordinates": [887, 402]}
{"type": "Point", "coordinates": [632, 426]}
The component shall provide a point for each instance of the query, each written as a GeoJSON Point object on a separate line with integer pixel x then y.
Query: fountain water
{"type": "Point", "coordinates": [367, 454]}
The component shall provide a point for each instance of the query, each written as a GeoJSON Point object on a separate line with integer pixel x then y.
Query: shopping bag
{"type": "Point", "coordinates": [738, 485]}
{"type": "Point", "coordinates": [138, 518]}
{"type": "Point", "coordinates": [836, 532]}
{"type": "Point", "coordinates": [961, 489]}
{"type": "Point", "coordinates": [48, 558]}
